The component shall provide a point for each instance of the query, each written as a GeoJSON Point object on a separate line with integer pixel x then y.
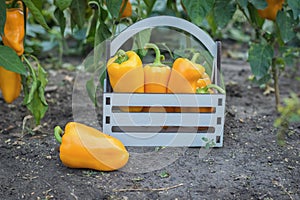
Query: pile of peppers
{"type": "Point", "coordinates": [127, 74]}
{"type": "Point", "coordinates": [13, 37]}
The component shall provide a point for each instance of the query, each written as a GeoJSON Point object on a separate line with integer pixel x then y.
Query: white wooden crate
{"type": "Point", "coordinates": [148, 129]}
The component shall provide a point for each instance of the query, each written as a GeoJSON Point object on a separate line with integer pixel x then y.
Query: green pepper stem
{"type": "Point", "coordinates": [157, 60]}
{"type": "Point", "coordinates": [205, 89]}
{"type": "Point", "coordinates": [221, 90]}
{"type": "Point", "coordinates": [195, 57]}
{"type": "Point", "coordinates": [121, 57]}
{"type": "Point", "coordinates": [57, 133]}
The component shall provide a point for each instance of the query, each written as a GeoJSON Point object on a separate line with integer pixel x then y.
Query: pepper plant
{"type": "Point", "coordinates": [274, 39]}
{"type": "Point", "coordinates": [14, 63]}
{"type": "Point", "coordinates": [273, 46]}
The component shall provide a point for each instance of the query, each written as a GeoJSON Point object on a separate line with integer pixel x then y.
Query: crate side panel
{"type": "Point", "coordinates": [163, 139]}
{"type": "Point", "coordinates": [163, 119]}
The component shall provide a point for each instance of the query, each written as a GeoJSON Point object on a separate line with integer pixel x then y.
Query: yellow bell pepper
{"type": "Point", "coordinates": [126, 74]}
{"type": "Point", "coordinates": [10, 85]}
{"type": "Point", "coordinates": [85, 147]}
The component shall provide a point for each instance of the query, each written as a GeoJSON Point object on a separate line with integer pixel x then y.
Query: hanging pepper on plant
{"type": "Point", "coordinates": [270, 12]}
{"type": "Point", "coordinates": [126, 74]}
{"type": "Point", "coordinates": [13, 37]}
{"type": "Point", "coordinates": [14, 30]}
{"type": "Point", "coordinates": [10, 85]}
{"type": "Point", "coordinates": [126, 9]}
{"type": "Point", "coordinates": [85, 147]}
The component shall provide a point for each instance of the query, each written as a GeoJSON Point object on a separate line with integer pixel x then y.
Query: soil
{"type": "Point", "coordinates": [250, 165]}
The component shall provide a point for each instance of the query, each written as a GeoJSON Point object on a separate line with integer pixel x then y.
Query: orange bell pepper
{"type": "Point", "coordinates": [270, 12]}
{"type": "Point", "coordinates": [127, 11]}
{"type": "Point", "coordinates": [156, 74]}
{"type": "Point", "coordinates": [156, 78]}
{"type": "Point", "coordinates": [85, 147]}
{"type": "Point", "coordinates": [184, 76]}
{"type": "Point", "coordinates": [183, 79]}
{"type": "Point", "coordinates": [14, 31]}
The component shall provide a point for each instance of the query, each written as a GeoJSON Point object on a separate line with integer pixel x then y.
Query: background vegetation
{"type": "Point", "coordinates": [60, 28]}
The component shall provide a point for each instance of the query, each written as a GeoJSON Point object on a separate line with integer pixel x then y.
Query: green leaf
{"type": "Point", "coordinates": [212, 23]}
{"type": "Point", "coordinates": [33, 88]}
{"type": "Point", "coordinates": [37, 105]}
{"type": "Point", "coordinates": [243, 3]}
{"type": "Point", "coordinates": [60, 17]}
{"type": "Point", "coordinates": [223, 12]}
{"type": "Point", "coordinates": [260, 59]}
{"type": "Point", "coordinates": [78, 8]}
{"type": "Point", "coordinates": [104, 14]}
{"type": "Point", "coordinates": [285, 24]}
{"type": "Point", "coordinates": [11, 61]}
{"type": "Point", "coordinates": [102, 33]}
{"type": "Point", "coordinates": [113, 7]}
{"type": "Point", "coordinates": [255, 18]}
{"type": "Point", "coordinates": [62, 4]}
{"type": "Point", "coordinates": [295, 6]}
{"type": "Point", "coordinates": [2, 16]}
{"type": "Point", "coordinates": [140, 40]}
{"type": "Point", "coordinates": [35, 100]}
{"type": "Point", "coordinates": [262, 80]}
{"type": "Point", "coordinates": [164, 175]}
{"type": "Point", "coordinates": [259, 4]}
{"type": "Point", "coordinates": [149, 4]}
{"type": "Point", "coordinates": [91, 89]}
{"type": "Point", "coordinates": [42, 76]}
{"type": "Point", "coordinates": [197, 10]}
{"type": "Point", "coordinates": [38, 4]}
{"type": "Point", "coordinates": [36, 13]}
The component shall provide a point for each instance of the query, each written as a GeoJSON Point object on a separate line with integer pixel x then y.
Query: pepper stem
{"type": "Point", "coordinates": [158, 57]}
{"type": "Point", "coordinates": [221, 90]}
{"type": "Point", "coordinates": [205, 89]}
{"type": "Point", "coordinates": [195, 57]}
{"type": "Point", "coordinates": [57, 133]}
{"type": "Point", "coordinates": [121, 57]}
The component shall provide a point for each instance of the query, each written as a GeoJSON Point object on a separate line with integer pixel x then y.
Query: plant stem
{"type": "Point", "coordinates": [30, 68]}
{"type": "Point", "coordinates": [57, 133]}
{"type": "Point", "coordinates": [276, 83]}
{"type": "Point", "coordinates": [195, 57]}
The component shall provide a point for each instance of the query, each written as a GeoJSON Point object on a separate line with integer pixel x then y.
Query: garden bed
{"type": "Point", "coordinates": [250, 165]}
